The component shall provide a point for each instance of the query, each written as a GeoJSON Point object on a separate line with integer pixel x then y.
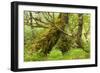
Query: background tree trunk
{"type": "Point", "coordinates": [79, 32]}
{"type": "Point", "coordinates": [31, 23]}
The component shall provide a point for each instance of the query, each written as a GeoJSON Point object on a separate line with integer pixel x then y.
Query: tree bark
{"type": "Point", "coordinates": [79, 32]}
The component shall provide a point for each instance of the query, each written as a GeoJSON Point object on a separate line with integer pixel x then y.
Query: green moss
{"type": "Point", "coordinates": [34, 57]}
{"type": "Point", "coordinates": [55, 54]}
{"type": "Point", "coordinates": [76, 53]}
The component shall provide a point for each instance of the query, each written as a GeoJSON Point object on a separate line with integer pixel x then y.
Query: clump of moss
{"type": "Point", "coordinates": [36, 56]}
{"type": "Point", "coordinates": [76, 53]}
{"type": "Point", "coordinates": [55, 54]}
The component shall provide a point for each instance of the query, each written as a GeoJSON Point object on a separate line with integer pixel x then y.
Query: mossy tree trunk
{"type": "Point", "coordinates": [64, 42]}
{"type": "Point", "coordinates": [47, 42]}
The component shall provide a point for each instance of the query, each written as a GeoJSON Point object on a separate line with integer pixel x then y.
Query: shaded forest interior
{"type": "Point", "coordinates": [56, 36]}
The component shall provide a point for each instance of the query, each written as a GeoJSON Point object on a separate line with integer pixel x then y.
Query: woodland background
{"type": "Point", "coordinates": [56, 36]}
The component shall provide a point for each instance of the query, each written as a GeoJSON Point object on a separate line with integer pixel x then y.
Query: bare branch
{"type": "Point", "coordinates": [46, 17]}
{"type": "Point", "coordinates": [36, 19]}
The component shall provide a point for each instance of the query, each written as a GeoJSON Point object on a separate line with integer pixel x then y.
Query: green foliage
{"type": "Point", "coordinates": [55, 54]}
{"type": "Point", "coordinates": [86, 46]}
{"type": "Point", "coordinates": [36, 56]}
{"type": "Point", "coordinates": [73, 22]}
{"type": "Point", "coordinates": [27, 33]}
{"type": "Point", "coordinates": [27, 40]}
{"type": "Point", "coordinates": [76, 53]}
{"type": "Point", "coordinates": [86, 20]}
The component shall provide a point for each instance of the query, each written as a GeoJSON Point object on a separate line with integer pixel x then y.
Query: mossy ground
{"type": "Point", "coordinates": [56, 54]}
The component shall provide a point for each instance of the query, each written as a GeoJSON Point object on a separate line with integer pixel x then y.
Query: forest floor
{"type": "Point", "coordinates": [56, 54]}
